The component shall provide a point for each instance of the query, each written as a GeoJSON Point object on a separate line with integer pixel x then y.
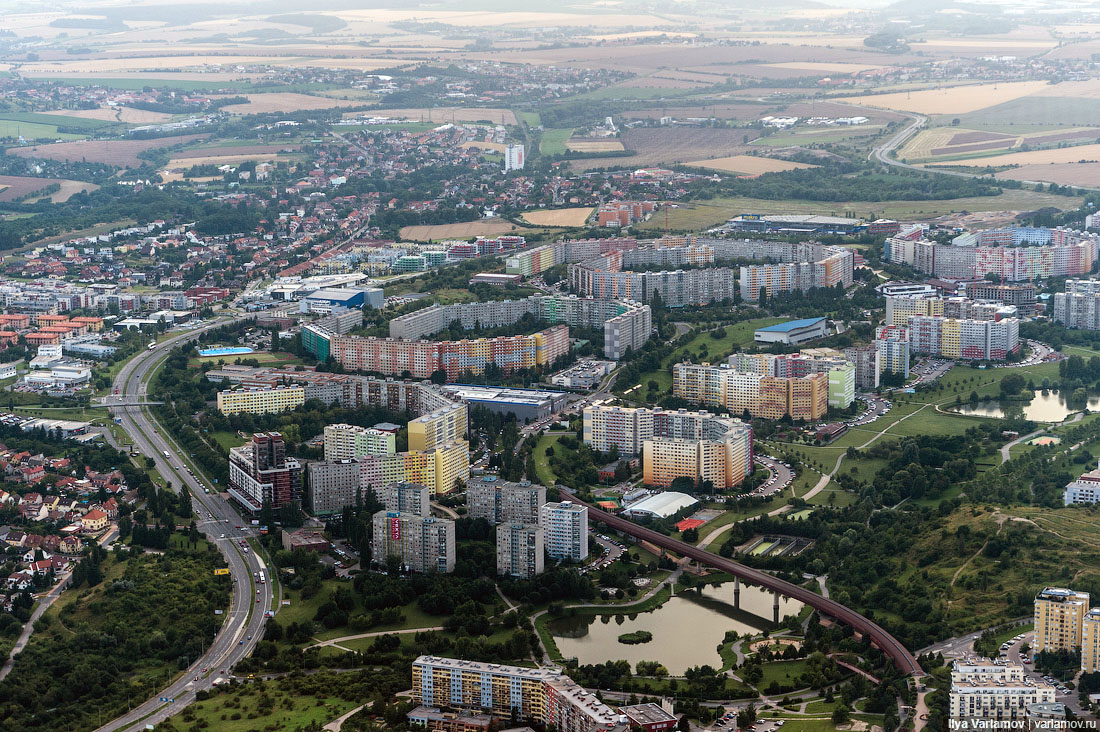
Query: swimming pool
{"type": "Point", "coordinates": [226, 351]}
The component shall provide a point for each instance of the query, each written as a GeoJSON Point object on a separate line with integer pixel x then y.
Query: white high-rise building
{"type": "Point", "coordinates": [565, 530]}
{"type": "Point", "coordinates": [513, 158]}
{"type": "Point", "coordinates": [984, 689]}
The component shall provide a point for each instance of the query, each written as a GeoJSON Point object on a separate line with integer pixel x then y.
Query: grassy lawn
{"type": "Point", "coordinates": [553, 140]}
{"type": "Point", "coordinates": [263, 357]}
{"type": "Point", "coordinates": [542, 463]}
{"type": "Point", "coordinates": [531, 119]}
{"type": "Point", "coordinates": [240, 711]}
{"type": "Point", "coordinates": [834, 497]}
{"type": "Point", "coordinates": [227, 440]}
{"type": "Point", "coordinates": [782, 672]}
{"type": "Point", "coordinates": [78, 414]}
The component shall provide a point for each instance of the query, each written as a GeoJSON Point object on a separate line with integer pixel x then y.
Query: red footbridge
{"type": "Point", "coordinates": [887, 643]}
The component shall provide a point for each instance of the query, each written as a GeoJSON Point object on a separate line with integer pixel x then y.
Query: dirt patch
{"type": "Point", "coordinates": [286, 102]}
{"type": "Point", "coordinates": [14, 187]}
{"type": "Point", "coordinates": [465, 230]}
{"type": "Point", "coordinates": [110, 152]}
{"type": "Point", "coordinates": [749, 164]}
{"type": "Point", "coordinates": [559, 216]}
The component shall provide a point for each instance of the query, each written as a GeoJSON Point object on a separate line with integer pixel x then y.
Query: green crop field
{"type": "Point", "coordinates": [54, 120]}
{"type": "Point", "coordinates": [553, 140]}
{"type": "Point", "coordinates": [34, 131]}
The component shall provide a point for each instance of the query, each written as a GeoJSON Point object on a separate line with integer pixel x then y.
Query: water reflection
{"type": "Point", "coordinates": [1049, 406]}
{"type": "Point", "coordinates": [686, 630]}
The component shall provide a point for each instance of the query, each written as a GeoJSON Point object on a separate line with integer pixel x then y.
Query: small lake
{"type": "Point", "coordinates": [1048, 407]}
{"type": "Point", "coordinates": [686, 630]}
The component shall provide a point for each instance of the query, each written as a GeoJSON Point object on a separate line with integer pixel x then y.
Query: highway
{"type": "Point", "coordinates": [889, 645]}
{"type": "Point", "coordinates": [239, 632]}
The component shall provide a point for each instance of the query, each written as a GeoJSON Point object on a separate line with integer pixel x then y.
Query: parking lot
{"type": "Point", "coordinates": [876, 407]}
{"type": "Point", "coordinates": [781, 476]}
{"type": "Point", "coordinates": [728, 723]}
{"type": "Point", "coordinates": [1011, 651]}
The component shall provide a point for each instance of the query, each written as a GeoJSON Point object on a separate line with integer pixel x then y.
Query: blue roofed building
{"type": "Point", "coordinates": [793, 332]}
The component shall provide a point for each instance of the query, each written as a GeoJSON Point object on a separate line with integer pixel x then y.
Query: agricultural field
{"type": "Point", "coordinates": [285, 102]}
{"type": "Point", "coordinates": [464, 230]}
{"type": "Point", "coordinates": [1086, 175]}
{"type": "Point", "coordinates": [13, 187]}
{"type": "Point", "coordinates": [955, 142]}
{"type": "Point", "coordinates": [749, 165]}
{"type": "Point", "coordinates": [215, 149]}
{"type": "Point", "coordinates": [553, 140]}
{"type": "Point", "coordinates": [585, 145]}
{"type": "Point", "coordinates": [819, 136]}
{"type": "Point", "coordinates": [443, 115]}
{"type": "Point", "coordinates": [110, 152]}
{"type": "Point", "coordinates": [653, 146]}
{"type": "Point", "coordinates": [176, 166]}
{"type": "Point", "coordinates": [697, 216]}
{"type": "Point", "coordinates": [128, 115]}
{"type": "Point", "coordinates": [559, 216]}
{"type": "Point", "coordinates": [1079, 153]}
{"type": "Point", "coordinates": [950, 100]}
{"type": "Point", "coordinates": [1031, 114]}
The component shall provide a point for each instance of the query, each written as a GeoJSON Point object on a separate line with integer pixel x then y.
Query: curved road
{"type": "Point", "coordinates": [882, 154]}
{"type": "Point", "coordinates": [890, 645]}
{"type": "Point", "coordinates": [240, 631]}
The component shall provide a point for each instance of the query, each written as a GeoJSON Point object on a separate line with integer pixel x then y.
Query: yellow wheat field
{"type": "Point", "coordinates": [559, 216]}
{"type": "Point", "coordinates": [595, 146]}
{"type": "Point", "coordinates": [950, 100]}
{"type": "Point", "coordinates": [749, 165]}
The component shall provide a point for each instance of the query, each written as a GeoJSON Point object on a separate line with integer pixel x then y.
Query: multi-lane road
{"type": "Point", "coordinates": [218, 520]}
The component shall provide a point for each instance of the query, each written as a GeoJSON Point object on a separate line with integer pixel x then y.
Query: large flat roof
{"type": "Point", "coordinates": [663, 504]}
{"type": "Point", "coordinates": [790, 325]}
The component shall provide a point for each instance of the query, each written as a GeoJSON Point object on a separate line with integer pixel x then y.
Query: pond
{"type": "Point", "coordinates": [686, 630]}
{"type": "Point", "coordinates": [1045, 407]}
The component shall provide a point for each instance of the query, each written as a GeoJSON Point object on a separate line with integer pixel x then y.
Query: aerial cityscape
{"type": "Point", "coordinates": [616, 366]}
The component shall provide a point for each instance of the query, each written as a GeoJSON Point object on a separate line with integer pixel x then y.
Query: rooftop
{"type": "Point", "coordinates": [663, 504]}
{"type": "Point", "coordinates": [647, 713]}
{"type": "Point", "coordinates": [790, 325]}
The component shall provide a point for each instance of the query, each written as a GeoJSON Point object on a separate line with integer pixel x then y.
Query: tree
{"type": "Point", "coordinates": [439, 376]}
